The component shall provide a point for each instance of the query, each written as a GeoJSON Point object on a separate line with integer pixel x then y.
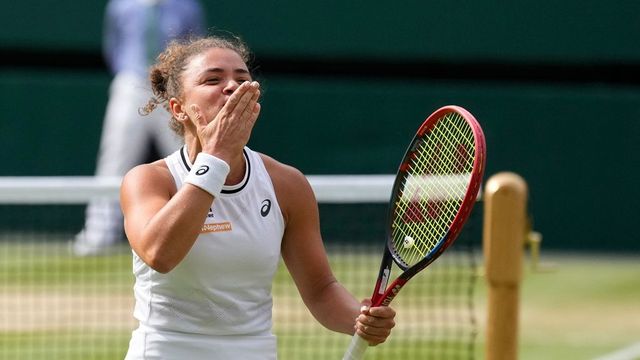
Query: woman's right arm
{"type": "Point", "coordinates": [161, 223]}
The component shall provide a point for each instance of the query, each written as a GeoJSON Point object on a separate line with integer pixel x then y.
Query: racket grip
{"type": "Point", "coordinates": [356, 349]}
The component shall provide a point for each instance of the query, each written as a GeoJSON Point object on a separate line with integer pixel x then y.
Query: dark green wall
{"type": "Point", "coordinates": [467, 30]}
{"type": "Point", "coordinates": [51, 120]}
{"type": "Point", "coordinates": [573, 139]}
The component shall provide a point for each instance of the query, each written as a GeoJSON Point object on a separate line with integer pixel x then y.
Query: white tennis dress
{"type": "Point", "coordinates": [216, 304]}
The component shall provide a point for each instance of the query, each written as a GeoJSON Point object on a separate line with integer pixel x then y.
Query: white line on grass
{"type": "Point", "coordinates": [631, 352]}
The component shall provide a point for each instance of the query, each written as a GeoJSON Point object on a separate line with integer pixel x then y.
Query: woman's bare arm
{"type": "Point", "coordinates": [161, 223]}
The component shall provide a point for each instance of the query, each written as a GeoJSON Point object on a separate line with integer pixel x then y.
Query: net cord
{"type": "Point", "coordinates": [336, 189]}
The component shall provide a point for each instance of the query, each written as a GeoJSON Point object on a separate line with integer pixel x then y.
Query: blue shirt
{"type": "Point", "coordinates": [136, 31]}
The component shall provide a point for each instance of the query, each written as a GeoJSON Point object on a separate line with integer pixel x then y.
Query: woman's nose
{"type": "Point", "coordinates": [231, 86]}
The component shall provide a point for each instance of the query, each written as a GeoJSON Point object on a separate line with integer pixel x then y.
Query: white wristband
{"type": "Point", "coordinates": [208, 173]}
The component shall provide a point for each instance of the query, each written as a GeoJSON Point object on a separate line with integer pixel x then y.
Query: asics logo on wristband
{"type": "Point", "coordinates": [202, 170]}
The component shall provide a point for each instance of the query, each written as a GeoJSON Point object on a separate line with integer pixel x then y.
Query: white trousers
{"type": "Point", "coordinates": [126, 136]}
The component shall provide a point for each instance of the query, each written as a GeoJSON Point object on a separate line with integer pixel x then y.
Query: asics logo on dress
{"type": "Point", "coordinates": [202, 170]}
{"type": "Point", "coordinates": [266, 207]}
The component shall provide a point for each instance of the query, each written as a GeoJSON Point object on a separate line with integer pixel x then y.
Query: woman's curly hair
{"type": "Point", "coordinates": [166, 74]}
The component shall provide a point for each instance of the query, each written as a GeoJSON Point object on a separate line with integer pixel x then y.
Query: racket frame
{"type": "Point", "coordinates": [383, 294]}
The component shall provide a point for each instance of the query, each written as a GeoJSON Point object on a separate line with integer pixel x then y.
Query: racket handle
{"type": "Point", "coordinates": [356, 349]}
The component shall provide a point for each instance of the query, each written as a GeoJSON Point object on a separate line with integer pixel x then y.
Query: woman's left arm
{"type": "Point", "coordinates": [305, 257]}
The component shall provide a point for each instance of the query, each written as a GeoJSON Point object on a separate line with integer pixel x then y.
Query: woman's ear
{"type": "Point", "coordinates": [178, 111]}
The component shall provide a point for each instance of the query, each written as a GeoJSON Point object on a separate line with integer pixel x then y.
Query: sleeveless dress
{"type": "Point", "coordinates": [216, 304]}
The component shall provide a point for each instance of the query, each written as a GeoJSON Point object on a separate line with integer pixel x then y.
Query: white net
{"type": "Point", "coordinates": [57, 303]}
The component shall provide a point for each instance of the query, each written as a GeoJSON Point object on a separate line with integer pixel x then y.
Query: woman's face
{"type": "Point", "coordinates": [210, 78]}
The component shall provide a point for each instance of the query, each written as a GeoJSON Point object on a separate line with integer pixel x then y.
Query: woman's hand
{"type": "Point", "coordinates": [227, 134]}
{"type": "Point", "coordinates": [374, 324]}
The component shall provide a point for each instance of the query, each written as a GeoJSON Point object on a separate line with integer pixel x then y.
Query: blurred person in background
{"type": "Point", "coordinates": [135, 32]}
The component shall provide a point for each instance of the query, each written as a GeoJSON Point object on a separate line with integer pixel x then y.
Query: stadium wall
{"type": "Point", "coordinates": [554, 84]}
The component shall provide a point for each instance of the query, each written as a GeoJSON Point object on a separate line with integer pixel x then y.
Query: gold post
{"type": "Point", "coordinates": [505, 202]}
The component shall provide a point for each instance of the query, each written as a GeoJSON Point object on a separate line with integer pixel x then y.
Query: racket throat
{"type": "Point", "coordinates": [390, 293]}
{"type": "Point", "coordinates": [381, 286]}
{"type": "Point", "coordinates": [384, 274]}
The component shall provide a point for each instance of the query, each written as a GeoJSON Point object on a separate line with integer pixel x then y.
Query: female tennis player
{"type": "Point", "coordinates": [208, 224]}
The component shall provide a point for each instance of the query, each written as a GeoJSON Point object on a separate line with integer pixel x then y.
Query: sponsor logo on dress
{"type": "Point", "coordinates": [216, 227]}
{"type": "Point", "coordinates": [265, 208]}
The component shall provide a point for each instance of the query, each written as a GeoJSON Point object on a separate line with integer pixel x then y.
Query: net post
{"type": "Point", "coordinates": [504, 224]}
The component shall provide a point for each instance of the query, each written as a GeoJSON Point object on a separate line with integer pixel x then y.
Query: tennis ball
{"type": "Point", "coordinates": [408, 241]}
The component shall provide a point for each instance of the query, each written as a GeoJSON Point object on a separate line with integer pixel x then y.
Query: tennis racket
{"type": "Point", "coordinates": [434, 191]}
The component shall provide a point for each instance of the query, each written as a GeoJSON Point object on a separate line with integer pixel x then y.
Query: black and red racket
{"type": "Point", "coordinates": [434, 191]}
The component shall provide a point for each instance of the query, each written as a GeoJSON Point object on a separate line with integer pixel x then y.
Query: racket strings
{"type": "Point", "coordinates": [436, 182]}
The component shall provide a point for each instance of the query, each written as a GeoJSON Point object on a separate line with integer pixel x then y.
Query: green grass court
{"type": "Point", "coordinates": [583, 308]}
{"type": "Point", "coordinates": [55, 306]}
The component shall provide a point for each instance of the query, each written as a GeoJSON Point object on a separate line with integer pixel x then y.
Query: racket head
{"type": "Point", "coordinates": [436, 187]}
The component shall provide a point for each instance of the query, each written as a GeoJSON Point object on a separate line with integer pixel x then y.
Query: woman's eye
{"type": "Point", "coordinates": [212, 81]}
